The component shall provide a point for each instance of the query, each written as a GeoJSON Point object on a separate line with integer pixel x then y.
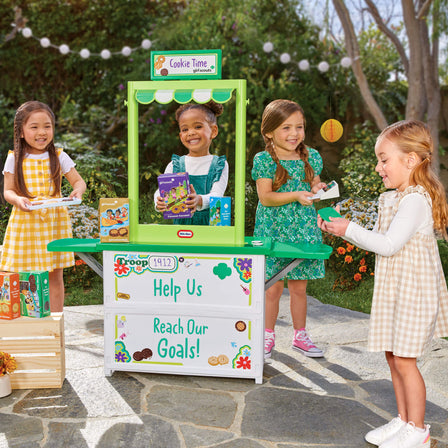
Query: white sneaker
{"type": "Point", "coordinates": [378, 435]}
{"type": "Point", "coordinates": [409, 437]}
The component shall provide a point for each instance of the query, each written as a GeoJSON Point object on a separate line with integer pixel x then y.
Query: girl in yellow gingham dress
{"type": "Point", "coordinates": [29, 175]}
{"type": "Point", "coordinates": [410, 298]}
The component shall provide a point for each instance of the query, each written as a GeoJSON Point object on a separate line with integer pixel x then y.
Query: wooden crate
{"type": "Point", "coordinates": [39, 349]}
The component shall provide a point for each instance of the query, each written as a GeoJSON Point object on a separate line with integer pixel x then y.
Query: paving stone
{"type": "Point", "coordinates": [195, 437]}
{"type": "Point", "coordinates": [153, 433]}
{"type": "Point", "coordinates": [52, 403]}
{"type": "Point", "coordinates": [284, 415]}
{"type": "Point", "coordinates": [381, 394]}
{"type": "Point", "coordinates": [205, 408]}
{"type": "Point", "coordinates": [21, 431]}
{"type": "Point", "coordinates": [65, 434]}
{"type": "Point", "coordinates": [240, 443]}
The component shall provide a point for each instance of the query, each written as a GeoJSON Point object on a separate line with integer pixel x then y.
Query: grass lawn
{"type": "Point", "coordinates": [358, 299]}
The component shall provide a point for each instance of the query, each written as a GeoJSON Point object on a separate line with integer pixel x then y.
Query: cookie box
{"type": "Point", "coordinates": [114, 220]}
{"type": "Point", "coordinates": [174, 189]}
{"type": "Point", "coordinates": [220, 211]}
{"type": "Point", "coordinates": [9, 295]}
{"type": "Point", "coordinates": [35, 293]}
{"type": "Point", "coordinates": [38, 347]}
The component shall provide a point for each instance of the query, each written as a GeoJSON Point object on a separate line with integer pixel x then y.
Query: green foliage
{"type": "Point", "coordinates": [358, 165]}
{"type": "Point", "coordinates": [5, 211]}
{"type": "Point", "coordinates": [351, 265]}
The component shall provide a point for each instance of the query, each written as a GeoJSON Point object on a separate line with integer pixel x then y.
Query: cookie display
{"type": "Point", "coordinates": [213, 361]}
{"type": "Point", "coordinates": [138, 356]}
{"type": "Point", "coordinates": [240, 325]}
{"type": "Point", "coordinates": [113, 233]}
{"type": "Point", "coordinates": [146, 353]}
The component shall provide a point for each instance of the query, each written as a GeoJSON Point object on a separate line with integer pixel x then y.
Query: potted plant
{"type": "Point", "coordinates": [7, 365]}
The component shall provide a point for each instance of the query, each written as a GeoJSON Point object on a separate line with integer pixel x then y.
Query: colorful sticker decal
{"type": "Point", "coordinates": [222, 271]}
{"type": "Point", "coordinates": [121, 354]}
{"type": "Point", "coordinates": [244, 268]}
{"type": "Point", "coordinates": [125, 264]}
{"type": "Point", "coordinates": [242, 359]}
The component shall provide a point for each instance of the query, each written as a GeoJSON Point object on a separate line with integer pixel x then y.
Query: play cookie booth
{"type": "Point", "coordinates": [185, 299]}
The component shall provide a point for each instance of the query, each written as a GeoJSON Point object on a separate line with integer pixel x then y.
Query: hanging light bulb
{"type": "Point", "coordinates": [304, 65]}
{"type": "Point", "coordinates": [146, 44]}
{"type": "Point", "coordinates": [45, 42]}
{"type": "Point", "coordinates": [285, 58]}
{"type": "Point", "coordinates": [84, 53]}
{"type": "Point", "coordinates": [26, 32]}
{"type": "Point", "coordinates": [64, 49]}
{"type": "Point", "coordinates": [346, 62]}
{"type": "Point", "coordinates": [323, 66]}
{"type": "Point", "coordinates": [268, 47]}
{"type": "Point", "coordinates": [105, 54]}
{"type": "Point", "coordinates": [126, 51]}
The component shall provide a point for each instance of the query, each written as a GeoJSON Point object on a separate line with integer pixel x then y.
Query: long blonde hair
{"type": "Point", "coordinates": [275, 113]}
{"type": "Point", "coordinates": [415, 136]}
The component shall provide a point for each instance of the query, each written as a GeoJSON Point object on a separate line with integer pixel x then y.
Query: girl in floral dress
{"type": "Point", "coordinates": [34, 171]}
{"type": "Point", "coordinates": [287, 176]}
{"type": "Point", "coordinates": [410, 297]}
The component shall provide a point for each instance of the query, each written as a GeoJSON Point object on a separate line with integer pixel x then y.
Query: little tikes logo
{"type": "Point", "coordinates": [185, 233]}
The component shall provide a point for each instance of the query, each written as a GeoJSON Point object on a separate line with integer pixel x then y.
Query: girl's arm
{"type": "Point", "coordinates": [77, 183]}
{"type": "Point", "coordinates": [270, 198]}
{"type": "Point", "coordinates": [218, 189]}
{"type": "Point", "coordinates": [412, 215]}
{"type": "Point", "coordinates": [316, 184]}
{"type": "Point", "coordinates": [11, 196]}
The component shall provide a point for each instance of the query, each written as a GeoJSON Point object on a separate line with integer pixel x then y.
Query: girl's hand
{"type": "Point", "coordinates": [194, 200]}
{"type": "Point", "coordinates": [336, 226]}
{"type": "Point", "coordinates": [161, 205]}
{"type": "Point", "coordinates": [76, 193]}
{"type": "Point", "coordinates": [318, 186]}
{"type": "Point", "coordinates": [22, 203]}
{"type": "Point", "coordinates": [304, 197]}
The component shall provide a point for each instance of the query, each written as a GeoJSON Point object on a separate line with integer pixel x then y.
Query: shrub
{"type": "Point", "coordinates": [351, 264]}
{"type": "Point", "coordinates": [358, 164]}
{"type": "Point", "coordinates": [84, 221]}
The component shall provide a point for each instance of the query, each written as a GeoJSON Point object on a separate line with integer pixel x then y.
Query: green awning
{"type": "Point", "coordinates": [183, 96]}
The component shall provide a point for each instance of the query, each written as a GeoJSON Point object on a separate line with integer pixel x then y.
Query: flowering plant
{"type": "Point", "coordinates": [7, 363]}
{"type": "Point", "coordinates": [351, 264]}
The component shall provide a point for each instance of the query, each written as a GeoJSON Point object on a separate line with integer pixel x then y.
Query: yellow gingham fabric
{"type": "Point", "coordinates": [28, 233]}
{"type": "Point", "coordinates": [410, 299]}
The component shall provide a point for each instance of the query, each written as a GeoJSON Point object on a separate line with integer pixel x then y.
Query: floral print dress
{"type": "Point", "coordinates": [293, 222]}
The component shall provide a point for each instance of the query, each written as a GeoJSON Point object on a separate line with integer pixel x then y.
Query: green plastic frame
{"type": "Point", "coordinates": [145, 92]}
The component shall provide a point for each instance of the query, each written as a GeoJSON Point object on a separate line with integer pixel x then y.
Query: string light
{"type": "Point", "coordinates": [85, 53]}
{"type": "Point", "coordinates": [304, 65]}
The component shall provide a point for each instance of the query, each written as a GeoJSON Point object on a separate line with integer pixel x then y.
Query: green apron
{"type": "Point", "coordinates": [202, 185]}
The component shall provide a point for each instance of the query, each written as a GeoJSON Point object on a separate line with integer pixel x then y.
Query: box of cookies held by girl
{"type": "Point", "coordinates": [9, 295]}
{"type": "Point", "coordinates": [35, 293]}
{"type": "Point", "coordinates": [174, 189]}
{"type": "Point", "coordinates": [114, 220]}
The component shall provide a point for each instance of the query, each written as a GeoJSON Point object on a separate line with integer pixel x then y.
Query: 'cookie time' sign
{"type": "Point", "coordinates": [200, 64]}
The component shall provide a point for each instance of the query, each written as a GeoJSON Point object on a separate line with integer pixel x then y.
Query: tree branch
{"type": "Point", "coordinates": [373, 10]}
{"type": "Point", "coordinates": [424, 10]}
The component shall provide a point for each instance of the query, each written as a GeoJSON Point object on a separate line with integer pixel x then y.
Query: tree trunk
{"type": "Point", "coordinates": [351, 43]}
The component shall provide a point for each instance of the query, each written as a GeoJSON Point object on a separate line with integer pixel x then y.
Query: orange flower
{"type": "Point", "coordinates": [348, 259]}
{"type": "Point", "coordinates": [357, 277]}
{"type": "Point", "coordinates": [341, 250]}
{"type": "Point", "coordinates": [79, 262]}
{"type": "Point", "coordinates": [362, 262]}
{"type": "Point", "coordinates": [363, 269]}
{"type": "Point", "coordinates": [350, 247]}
